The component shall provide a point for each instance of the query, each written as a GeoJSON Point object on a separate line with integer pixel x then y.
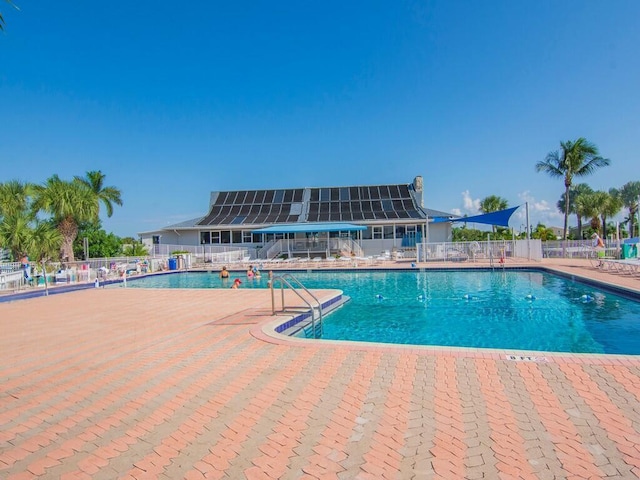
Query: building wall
{"type": "Point", "coordinates": [438, 232]}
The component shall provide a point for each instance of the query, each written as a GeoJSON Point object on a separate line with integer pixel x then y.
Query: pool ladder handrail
{"type": "Point", "coordinates": [283, 279]}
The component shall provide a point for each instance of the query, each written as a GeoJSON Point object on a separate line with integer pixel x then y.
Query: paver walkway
{"type": "Point", "coordinates": [171, 384]}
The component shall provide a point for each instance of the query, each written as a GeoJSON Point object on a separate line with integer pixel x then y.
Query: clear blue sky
{"type": "Point", "coordinates": [174, 100]}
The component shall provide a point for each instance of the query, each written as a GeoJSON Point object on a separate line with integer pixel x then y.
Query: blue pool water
{"type": "Point", "coordinates": [525, 310]}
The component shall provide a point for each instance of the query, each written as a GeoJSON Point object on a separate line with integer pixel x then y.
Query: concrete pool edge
{"type": "Point", "coordinates": [266, 331]}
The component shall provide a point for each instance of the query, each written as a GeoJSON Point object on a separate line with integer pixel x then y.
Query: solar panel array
{"type": "Point", "coordinates": [255, 207]}
{"type": "Point", "coordinates": [336, 204]}
{"type": "Point", "coordinates": [346, 204]}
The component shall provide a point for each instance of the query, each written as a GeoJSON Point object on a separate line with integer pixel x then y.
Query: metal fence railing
{"type": "Point", "coordinates": [487, 251]}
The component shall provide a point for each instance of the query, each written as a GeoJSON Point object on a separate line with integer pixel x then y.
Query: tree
{"type": "Point", "coordinates": [543, 233]}
{"type": "Point", "coordinates": [16, 217]}
{"type": "Point", "coordinates": [493, 203]}
{"type": "Point", "coordinates": [2, 18]}
{"type": "Point", "coordinates": [612, 204]}
{"type": "Point", "coordinates": [101, 243]}
{"type": "Point", "coordinates": [69, 204]}
{"type": "Point", "coordinates": [594, 205]}
{"type": "Point", "coordinates": [15, 234]}
{"type": "Point", "coordinates": [574, 159]}
{"type": "Point", "coordinates": [136, 249]}
{"type": "Point", "coordinates": [45, 242]}
{"type": "Point", "coordinates": [94, 181]}
{"type": "Point", "coordinates": [629, 194]}
{"type": "Point", "coordinates": [575, 204]}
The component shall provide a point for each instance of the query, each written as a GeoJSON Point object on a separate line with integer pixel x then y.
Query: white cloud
{"type": "Point", "coordinates": [540, 211]}
{"type": "Point", "coordinates": [456, 211]}
{"type": "Point", "coordinates": [470, 205]}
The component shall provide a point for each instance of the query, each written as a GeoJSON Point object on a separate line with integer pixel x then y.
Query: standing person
{"type": "Point", "coordinates": [224, 273]}
{"type": "Point", "coordinates": [26, 267]}
{"type": "Point", "coordinates": [598, 245]}
{"type": "Point", "coordinates": [597, 241]}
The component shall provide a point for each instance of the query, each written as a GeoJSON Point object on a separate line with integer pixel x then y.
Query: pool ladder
{"type": "Point", "coordinates": [287, 280]}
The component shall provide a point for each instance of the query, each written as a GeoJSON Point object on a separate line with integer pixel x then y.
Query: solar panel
{"type": "Point", "coordinates": [375, 202]}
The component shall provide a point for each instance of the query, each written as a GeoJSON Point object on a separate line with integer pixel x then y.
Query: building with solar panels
{"type": "Point", "coordinates": [313, 221]}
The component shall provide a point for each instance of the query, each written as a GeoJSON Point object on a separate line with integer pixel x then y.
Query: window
{"type": "Point", "coordinates": [215, 237]}
{"type": "Point", "coordinates": [387, 206]}
{"type": "Point", "coordinates": [325, 194]}
{"type": "Point", "coordinates": [388, 231]}
{"type": "Point", "coordinates": [237, 236]}
{"type": "Point", "coordinates": [205, 237]}
{"type": "Point", "coordinates": [257, 237]}
{"type": "Point", "coordinates": [278, 196]}
{"type": "Point", "coordinates": [156, 239]}
{"type": "Point", "coordinates": [377, 233]}
{"type": "Point", "coordinates": [367, 234]}
{"type": "Point", "coordinates": [247, 236]}
{"type": "Point", "coordinates": [225, 236]}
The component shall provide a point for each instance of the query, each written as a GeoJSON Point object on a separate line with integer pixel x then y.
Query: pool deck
{"type": "Point", "coordinates": [188, 384]}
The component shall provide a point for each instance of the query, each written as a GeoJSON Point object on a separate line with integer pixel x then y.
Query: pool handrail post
{"type": "Point", "coordinates": [284, 281]}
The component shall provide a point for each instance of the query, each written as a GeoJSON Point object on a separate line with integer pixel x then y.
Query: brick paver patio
{"type": "Point", "coordinates": [172, 384]}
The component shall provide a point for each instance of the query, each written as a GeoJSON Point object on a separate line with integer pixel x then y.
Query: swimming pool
{"type": "Point", "coordinates": [512, 309]}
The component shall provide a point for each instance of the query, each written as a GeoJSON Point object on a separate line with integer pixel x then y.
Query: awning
{"type": "Point", "coordinates": [500, 218]}
{"type": "Point", "coordinates": [311, 227]}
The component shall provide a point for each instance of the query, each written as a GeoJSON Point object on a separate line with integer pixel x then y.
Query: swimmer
{"type": "Point", "coordinates": [224, 273]}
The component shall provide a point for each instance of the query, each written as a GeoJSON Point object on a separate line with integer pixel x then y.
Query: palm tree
{"type": "Point", "coordinates": [45, 242]}
{"type": "Point", "coordinates": [630, 193]}
{"type": "Point", "coordinates": [612, 203]}
{"type": "Point", "coordinates": [574, 159]}
{"type": "Point", "coordinates": [69, 203]}
{"type": "Point", "coordinates": [16, 233]}
{"type": "Point", "coordinates": [2, 19]}
{"type": "Point", "coordinates": [574, 203]}
{"type": "Point", "coordinates": [94, 180]}
{"type": "Point", "coordinates": [594, 205]}
{"type": "Point", "coordinates": [14, 198]}
{"type": "Point", "coordinates": [15, 217]}
{"type": "Point", "coordinates": [493, 203]}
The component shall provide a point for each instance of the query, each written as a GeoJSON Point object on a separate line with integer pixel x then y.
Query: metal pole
{"type": "Point", "coordinates": [526, 204]}
{"type": "Point", "coordinates": [46, 285]}
{"type": "Point", "coordinates": [638, 212]}
{"type": "Point", "coordinates": [273, 298]}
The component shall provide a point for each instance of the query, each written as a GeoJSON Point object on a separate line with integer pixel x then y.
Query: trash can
{"type": "Point", "coordinates": [173, 264]}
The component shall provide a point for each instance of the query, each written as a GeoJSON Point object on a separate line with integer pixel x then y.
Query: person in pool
{"type": "Point", "coordinates": [250, 271]}
{"type": "Point", "coordinates": [236, 284]}
{"type": "Point", "coordinates": [224, 273]}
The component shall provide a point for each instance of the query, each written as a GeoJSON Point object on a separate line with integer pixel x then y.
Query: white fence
{"type": "Point", "coordinates": [480, 251]}
{"type": "Point", "coordinates": [309, 248]}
